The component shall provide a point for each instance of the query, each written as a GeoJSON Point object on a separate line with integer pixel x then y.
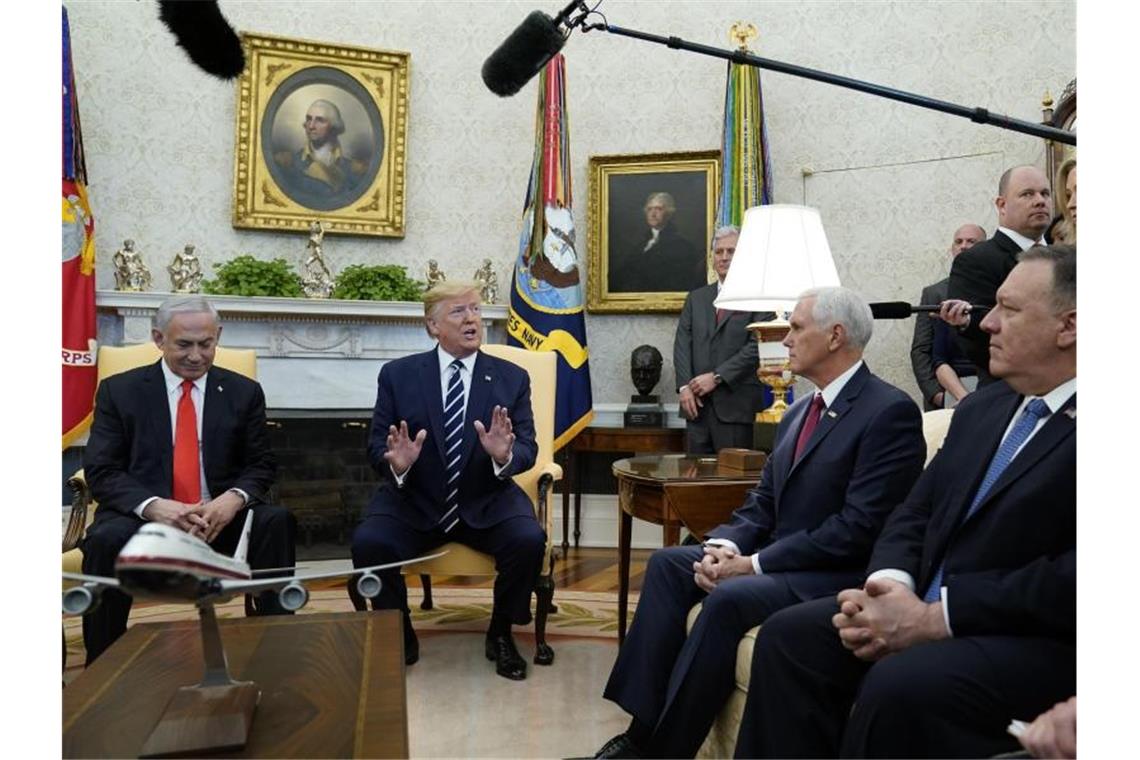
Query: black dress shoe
{"type": "Point", "coordinates": [411, 643]}
{"type": "Point", "coordinates": [508, 662]}
{"type": "Point", "coordinates": [619, 746]}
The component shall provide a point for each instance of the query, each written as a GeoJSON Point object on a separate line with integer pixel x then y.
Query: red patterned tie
{"type": "Point", "coordinates": [810, 421]}
{"type": "Point", "coordinates": [187, 475]}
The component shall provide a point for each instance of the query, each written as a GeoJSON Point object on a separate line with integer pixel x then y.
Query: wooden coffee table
{"type": "Point", "coordinates": [332, 685]}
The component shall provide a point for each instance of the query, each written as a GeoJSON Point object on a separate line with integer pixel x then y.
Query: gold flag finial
{"type": "Point", "coordinates": [1047, 100]}
{"type": "Point", "coordinates": [741, 33]}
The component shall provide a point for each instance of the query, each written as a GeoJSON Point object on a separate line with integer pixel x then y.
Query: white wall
{"type": "Point", "coordinates": [892, 180]}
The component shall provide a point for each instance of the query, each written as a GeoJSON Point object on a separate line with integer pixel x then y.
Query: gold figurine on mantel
{"type": "Point", "coordinates": [488, 282]}
{"type": "Point", "coordinates": [131, 274]}
{"type": "Point", "coordinates": [185, 271]}
{"type": "Point", "coordinates": [317, 281]}
{"type": "Point", "coordinates": [435, 275]}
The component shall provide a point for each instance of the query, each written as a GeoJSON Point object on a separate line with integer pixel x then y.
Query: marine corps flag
{"type": "Point", "coordinates": [546, 291]}
{"type": "Point", "coordinates": [79, 349]}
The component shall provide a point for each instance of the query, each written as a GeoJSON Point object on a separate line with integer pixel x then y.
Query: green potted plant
{"type": "Point", "coordinates": [247, 276]}
{"type": "Point", "coordinates": [387, 282]}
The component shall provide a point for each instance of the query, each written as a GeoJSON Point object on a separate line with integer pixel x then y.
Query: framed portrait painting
{"type": "Point", "coordinates": [321, 134]}
{"type": "Point", "coordinates": [651, 220]}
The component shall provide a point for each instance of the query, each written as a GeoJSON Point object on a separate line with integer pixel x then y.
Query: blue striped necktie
{"type": "Point", "coordinates": [453, 412]}
{"type": "Point", "coordinates": [1035, 410]}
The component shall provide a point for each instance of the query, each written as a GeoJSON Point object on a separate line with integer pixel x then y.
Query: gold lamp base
{"type": "Point", "coordinates": [774, 372]}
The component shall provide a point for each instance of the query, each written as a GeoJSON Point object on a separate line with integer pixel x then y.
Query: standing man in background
{"type": "Point", "coordinates": [922, 345]}
{"type": "Point", "coordinates": [1025, 208]}
{"type": "Point", "coordinates": [714, 356]}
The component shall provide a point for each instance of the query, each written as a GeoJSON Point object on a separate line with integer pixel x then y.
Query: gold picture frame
{"type": "Point", "coordinates": [345, 166]}
{"type": "Point", "coordinates": [631, 268]}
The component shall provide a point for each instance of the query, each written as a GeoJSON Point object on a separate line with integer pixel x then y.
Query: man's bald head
{"type": "Point", "coordinates": [966, 236]}
{"type": "Point", "coordinates": [1024, 203]}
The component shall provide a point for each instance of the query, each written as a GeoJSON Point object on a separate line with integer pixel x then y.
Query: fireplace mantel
{"type": "Point", "coordinates": [312, 354]}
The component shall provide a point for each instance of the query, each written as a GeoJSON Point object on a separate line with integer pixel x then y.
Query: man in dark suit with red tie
{"type": "Point", "coordinates": [967, 618]}
{"type": "Point", "coordinates": [450, 428]}
{"type": "Point", "coordinates": [843, 458]}
{"type": "Point", "coordinates": [715, 359]}
{"type": "Point", "coordinates": [143, 460]}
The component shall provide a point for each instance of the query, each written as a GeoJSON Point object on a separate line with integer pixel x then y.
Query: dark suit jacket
{"type": "Point", "coordinates": [130, 451]}
{"type": "Point", "coordinates": [672, 264]}
{"type": "Point", "coordinates": [816, 519]}
{"type": "Point", "coordinates": [975, 276]}
{"type": "Point", "coordinates": [922, 345]}
{"type": "Point", "coordinates": [1011, 567]}
{"type": "Point", "coordinates": [409, 389]}
{"type": "Point", "coordinates": [701, 345]}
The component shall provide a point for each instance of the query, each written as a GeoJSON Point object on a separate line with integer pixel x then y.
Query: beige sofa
{"type": "Point", "coordinates": [721, 739]}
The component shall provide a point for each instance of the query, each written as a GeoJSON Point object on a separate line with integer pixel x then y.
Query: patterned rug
{"type": "Point", "coordinates": [580, 613]}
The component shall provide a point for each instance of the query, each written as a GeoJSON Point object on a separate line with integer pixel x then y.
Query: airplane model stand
{"type": "Point", "coordinates": [213, 716]}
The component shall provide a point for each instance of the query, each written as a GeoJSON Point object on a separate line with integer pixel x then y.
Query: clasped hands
{"type": "Point", "coordinates": [206, 519]}
{"type": "Point", "coordinates": [691, 393]}
{"type": "Point", "coordinates": [720, 563]}
{"type": "Point", "coordinates": [885, 616]}
{"type": "Point", "coordinates": [403, 450]}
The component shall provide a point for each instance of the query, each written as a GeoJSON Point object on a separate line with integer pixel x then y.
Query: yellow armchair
{"type": "Point", "coordinates": [111, 361]}
{"type": "Point", "coordinates": [537, 482]}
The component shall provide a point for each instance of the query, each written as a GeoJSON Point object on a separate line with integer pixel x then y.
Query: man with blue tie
{"type": "Point", "coordinates": [967, 618]}
{"type": "Point", "coordinates": [450, 428]}
{"type": "Point", "coordinates": [843, 458]}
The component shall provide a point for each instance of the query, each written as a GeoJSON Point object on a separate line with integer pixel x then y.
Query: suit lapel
{"type": "Point", "coordinates": [1059, 426]}
{"type": "Point", "coordinates": [155, 397]}
{"type": "Point", "coordinates": [974, 468]}
{"type": "Point", "coordinates": [433, 394]}
{"type": "Point", "coordinates": [214, 409]}
{"type": "Point", "coordinates": [834, 413]}
{"type": "Point", "coordinates": [481, 378]}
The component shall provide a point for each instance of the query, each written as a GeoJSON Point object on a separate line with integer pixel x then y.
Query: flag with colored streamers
{"type": "Point", "coordinates": [546, 291]}
{"type": "Point", "coordinates": [79, 347]}
{"type": "Point", "coordinates": [746, 179]}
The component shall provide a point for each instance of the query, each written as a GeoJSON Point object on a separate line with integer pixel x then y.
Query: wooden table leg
{"type": "Point", "coordinates": [568, 462]}
{"type": "Point", "coordinates": [577, 497]}
{"type": "Point", "coordinates": [625, 529]}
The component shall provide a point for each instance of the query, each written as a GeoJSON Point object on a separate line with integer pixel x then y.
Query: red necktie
{"type": "Point", "coordinates": [810, 421]}
{"type": "Point", "coordinates": [187, 472]}
{"type": "Point", "coordinates": [720, 315]}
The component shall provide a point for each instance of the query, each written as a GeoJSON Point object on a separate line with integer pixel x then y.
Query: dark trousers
{"type": "Point", "coordinates": [271, 544]}
{"type": "Point", "coordinates": [810, 697]}
{"type": "Point", "coordinates": [678, 684]}
{"type": "Point", "coordinates": [708, 435]}
{"type": "Point", "coordinates": [517, 544]}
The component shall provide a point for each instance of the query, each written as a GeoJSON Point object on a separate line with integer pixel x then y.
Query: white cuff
{"type": "Point", "coordinates": [498, 469]}
{"type": "Point", "coordinates": [944, 593]}
{"type": "Point", "coordinates": [244, 496]}
{"type": "Point", "coordinates": [399, 476]}
{"type": "Point", "coordinates": [723, 542]}
{"type": "Point", "coordinates": [894, 574]}
{"type": "Point", "coordinates": [756, 564]}
{"type": "Point", "coordinates": [139, 509]}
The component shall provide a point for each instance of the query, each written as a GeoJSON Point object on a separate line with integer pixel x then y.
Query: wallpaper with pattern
{"type": "Point", "coordinates": [892, 181]}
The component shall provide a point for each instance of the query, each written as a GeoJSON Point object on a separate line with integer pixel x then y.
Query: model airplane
{"type": "Point", "coordinates": [161, 561]}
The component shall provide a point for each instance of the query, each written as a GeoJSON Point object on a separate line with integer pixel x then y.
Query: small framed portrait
{"type": "Point", "coordinates": [321, 133]}
{"type": "Point", "coordinates": [650, 222]}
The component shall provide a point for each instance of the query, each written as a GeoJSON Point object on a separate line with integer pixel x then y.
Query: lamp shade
{"type": "Point", "coordinates": [782, 251]}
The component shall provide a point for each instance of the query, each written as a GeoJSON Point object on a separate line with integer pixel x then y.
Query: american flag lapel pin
{"type": "Point", "coordinates": [831, 414]}
{"type": "Point", "coordinates": [219, 389]}
{"type": "Point", "coordinates": [487, 378]}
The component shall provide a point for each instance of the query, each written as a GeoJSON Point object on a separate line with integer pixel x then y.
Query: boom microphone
{"type": "Point", "coordinates": [203, 32]}
{"type": "Point", "coordinates": [529, 47]}
{"type": "Point", "coordinates": [902, 309]}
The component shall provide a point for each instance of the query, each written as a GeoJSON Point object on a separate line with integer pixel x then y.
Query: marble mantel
{"type": "Point", "coordinates": [313, 355]}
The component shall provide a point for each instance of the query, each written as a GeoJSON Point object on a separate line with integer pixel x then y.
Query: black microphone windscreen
{"type": "Point", "coordinates": [203, 32]}
{"type": "Point", "coordinates": [890, 310]}
{"type": "Point", "coordinates": [523, 54]}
